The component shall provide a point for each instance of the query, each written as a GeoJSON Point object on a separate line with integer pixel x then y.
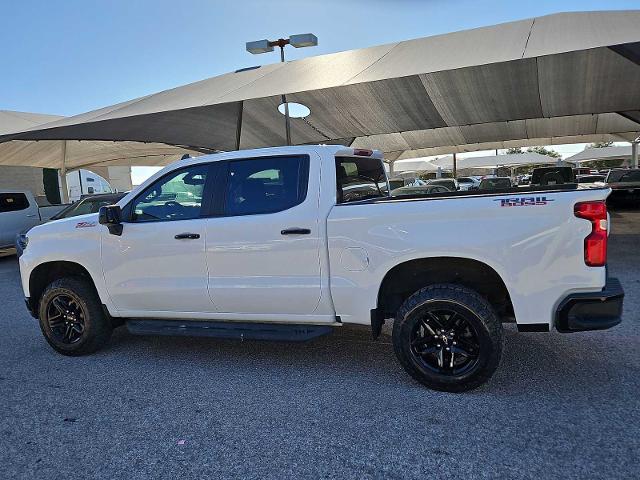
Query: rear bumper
{"type": "Point", "coordinates": [591, 311]}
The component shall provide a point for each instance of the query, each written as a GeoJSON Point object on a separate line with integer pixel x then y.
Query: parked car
{"type": "Point", "coordinates": [468, 183]}
{"type": "Point", "coordinates": [273, 249]}
{"type": "Point", "coordinates": [553, 176]}
{"type": "Point", "coordinates": [495, 183]}
{"type": "Point", "coordinates": [88, 204]}
{"type": "Point", "coordinates": [625, 185]}
{"type": "Point", "coordinates": [421, 190]}
{"type": "Point", "coordinates": [450, 183]}
{"type": "Point", "coordinates": [19, 212]}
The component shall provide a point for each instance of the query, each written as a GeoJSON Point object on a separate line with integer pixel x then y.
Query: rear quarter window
{"type": "Point", "coordinates": [360, 178]}
{"type": "Point", "coordinates": [11, 202]}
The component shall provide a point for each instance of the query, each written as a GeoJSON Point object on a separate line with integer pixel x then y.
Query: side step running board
{"type": "Point", "coordinates": [252, 331]}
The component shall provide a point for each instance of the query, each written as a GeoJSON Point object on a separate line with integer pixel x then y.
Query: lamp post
{"type": "Point", "coordinates": [265, 46]}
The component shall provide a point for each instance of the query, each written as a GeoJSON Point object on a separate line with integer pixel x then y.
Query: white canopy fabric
{"type": "Point", "coordinates": [416, 164]}
{"type": "Point", "coordinates": [604, 153]}
{"type": "Point", "coordinates": [77, 154]}
{"type": "Point", "coordinates": [494, 161]}
{"type": "Point", "coordinates": [11, 122]}
{"type": "Point", "coordinates": [563, 78]}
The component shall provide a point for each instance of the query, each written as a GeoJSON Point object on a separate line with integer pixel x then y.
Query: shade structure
{"type": "Point", "coordinates": [495, 161]}
{"type": "Point", "coordinates": [77, 154]}
{"type": "Point", "coordinates": [563, 78]}
{"type": "Point", "coordinates": [16, 121]}
{"type": "Point", "coordinates": [622, 152]}
{"type": "Point", "coordinates": [415, 164]}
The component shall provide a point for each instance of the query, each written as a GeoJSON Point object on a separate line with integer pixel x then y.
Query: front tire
{"type": "Point", "coordinates": [71, 317]}
{"type": "Point", "coordinates": [448, 337]}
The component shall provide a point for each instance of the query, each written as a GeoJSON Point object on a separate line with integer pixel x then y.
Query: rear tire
{"type": "Point", "coordinates": [448, 338]}
{"type": "Point", "coordinates": [71, 317]}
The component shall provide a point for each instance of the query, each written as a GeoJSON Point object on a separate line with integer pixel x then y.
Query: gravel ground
{"type": "Point", "coordinates": [339, 407]}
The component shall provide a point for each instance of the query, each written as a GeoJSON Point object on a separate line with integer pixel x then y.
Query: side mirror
{"type": "Point", "coordinates": [111, 216]}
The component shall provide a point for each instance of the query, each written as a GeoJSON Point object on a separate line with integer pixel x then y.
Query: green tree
{"type": "Point", "coordinates": [544, 151]}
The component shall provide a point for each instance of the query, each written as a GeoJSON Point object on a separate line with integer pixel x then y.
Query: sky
{"type": "Point", "coordinates": [72, 56]}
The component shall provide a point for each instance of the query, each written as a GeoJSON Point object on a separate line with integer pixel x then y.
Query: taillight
{"type": "Point", "coordinates": [595, 245]}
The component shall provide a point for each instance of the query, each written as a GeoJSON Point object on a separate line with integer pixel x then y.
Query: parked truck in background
{"type": "Point", "coordinates": [625, 185]}
{"type": "Point", "coordinates": [292, 242]}
{"type": "Point", "coordinates": [19, 212]}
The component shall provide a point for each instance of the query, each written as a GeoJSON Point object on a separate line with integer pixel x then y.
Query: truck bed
{"type": "Point", "coordinates": [535, 244]}
{"type": "Point", "coordinates": [479, 193]}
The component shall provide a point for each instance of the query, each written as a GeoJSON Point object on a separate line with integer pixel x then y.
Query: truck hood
{"type": "Point", "coordinates": [66, 225]}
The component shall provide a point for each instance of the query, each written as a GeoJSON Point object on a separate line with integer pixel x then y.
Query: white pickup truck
{"type": "Point", "coordinates": [288, 243]}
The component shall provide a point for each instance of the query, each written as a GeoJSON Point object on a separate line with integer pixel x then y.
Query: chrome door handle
{"type": "Point", "coordinates": [295, 231]}
{"type": "Point", "coordinates": [31, 216]}
{"type": "Point", "coordinates": [187, 236]}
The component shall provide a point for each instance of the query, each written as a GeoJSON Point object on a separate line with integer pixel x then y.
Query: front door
{"type": "Point", "coordinates": [158, 263]}
{"type": "Point", "coordinates": [263, 252]}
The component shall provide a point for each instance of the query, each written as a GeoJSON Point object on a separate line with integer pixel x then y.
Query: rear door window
{"type": "Point", "coordinates": [11, 202]}
{"type": "Point", "coordinates": [360, 178]}
{"type": "Point", "coordinates": [266, 185]}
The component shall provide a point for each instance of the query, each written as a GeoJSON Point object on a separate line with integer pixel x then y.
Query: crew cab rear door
{"type": "Point", "coordinates": [263, 249]}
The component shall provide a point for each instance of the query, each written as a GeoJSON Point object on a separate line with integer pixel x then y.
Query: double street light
{"type": "Point", "coordinates": [266, 46]}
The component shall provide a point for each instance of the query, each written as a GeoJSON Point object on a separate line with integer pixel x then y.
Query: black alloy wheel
{"type": "Point", "coordinates": [445, 341]}
{"type": "Point", "coordinates": [72, 318]}
{"type": "Point", "coordinates": [448, 337]}
{"type": "Point", "coordinates": [65, 317]}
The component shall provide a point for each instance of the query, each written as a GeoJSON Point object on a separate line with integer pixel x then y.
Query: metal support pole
{"type": "Point", "coordinates": [391, 162]}
{"type": "Point", "coordinates": [239, 124]}
{"type": "Point", "coordinates": [455, 165]}
{"type": "Point", "coordinates": [63, 173]}
{"type": "Point", "coordinates": [634, 154]}
{"type": "Point", "coordinates": [286, 105]}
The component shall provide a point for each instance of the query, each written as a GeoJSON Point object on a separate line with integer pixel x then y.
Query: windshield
{"type": "Point", "coordinates": [88, 205]}
{"type": "Point", "coordinates": [360, 178]}
{"type": "Point", "coordinates": [552, 176]}
{"type": "Point", "coordinates": [624, 176]}
{"type": "Point", "coordinates": [495, 183]}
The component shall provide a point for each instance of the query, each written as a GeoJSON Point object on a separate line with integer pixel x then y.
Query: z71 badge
{"type": "Point", "coordinates": [85, 224]}
{"type": "Point", "coordinates": [523, 201]}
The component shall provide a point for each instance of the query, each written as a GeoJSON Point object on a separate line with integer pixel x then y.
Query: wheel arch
{"type": "Point", "coordinates": [47, 272]}
{"type": "Point", "coordinates": [405, 278]}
